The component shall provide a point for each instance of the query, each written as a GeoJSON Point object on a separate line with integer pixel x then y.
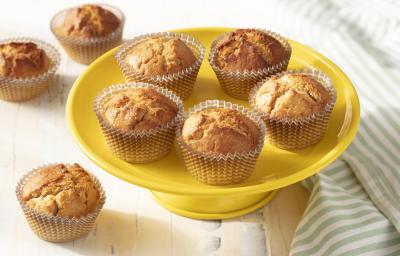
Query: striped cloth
{"type": "Point", "coordinates": [354, 207]}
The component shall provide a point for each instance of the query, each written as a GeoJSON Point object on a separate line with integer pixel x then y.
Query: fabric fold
{"type": "Point", "coordinates": [354, 208]}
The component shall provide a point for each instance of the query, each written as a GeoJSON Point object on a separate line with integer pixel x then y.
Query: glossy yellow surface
{"type": "Point", "coordinates": [213, 207]}
{"type": "Point", "coordinates": [275, 168]}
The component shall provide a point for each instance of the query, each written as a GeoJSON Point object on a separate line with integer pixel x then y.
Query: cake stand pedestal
{"type": "Point", "coordinates": [212, 207]}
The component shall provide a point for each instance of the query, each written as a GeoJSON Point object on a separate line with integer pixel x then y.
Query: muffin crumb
{"type": "Point", "coordinates": [60, 190]}
{"type": "Point", "coordinates": [139, 109]}
{"type": "Point", "coordinates": [160, 56]}
{"type": "Point", "coordinates": [88, 21]}
{"type": "Point", "coordinates": [219, 130]}
{"type": "Point", "coordinates": [248, 49]}
{"type": "Point", "coordinates": [22, 59]}
{"type": "Point", "coordinates": [291, 95]}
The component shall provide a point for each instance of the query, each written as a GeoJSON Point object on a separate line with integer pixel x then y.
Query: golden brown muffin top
{"type": "Point", "coordinates": [88, 21]}
{"type": "Point", "coordinates": [160, 56]}
{"type": "Point", "coordinates": [291, 95]}
{"type": "Point", "coordinates": [21, 60]}
{"type": "Point", "coordinates": [60, 190]}
{"type": "Point", "coordinates": [220, 130]}
{"type": "Point", "coordinates": [139, 109]}
{"type": "Point", "coordinates": [248, 49]}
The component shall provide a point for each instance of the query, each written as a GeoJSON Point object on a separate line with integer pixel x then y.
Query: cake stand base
{"type": "Point", "coordinates": [212, 207]}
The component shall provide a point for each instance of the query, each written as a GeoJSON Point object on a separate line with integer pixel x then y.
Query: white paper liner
{"type": "Point", "coordinates": [182, 82]}
{"type": "Point", "coordinates": [239, 83]}
{"type": "Point", "coordinates": [299, 132]}
{"type": "Point", "coordinates": [86, 50]}
{"type": "Point", "coordinates": [220, 169]}
{"type": "Point", "coordinates": [22, 89]}
{"type": "Point", "coordinates": [138, 146]}
{"type": "Point", "coordinates": [56, 228]}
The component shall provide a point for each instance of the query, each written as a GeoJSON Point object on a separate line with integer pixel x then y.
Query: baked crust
{"type": "Point", "coordinates": [160, 56]}
{"type": "Point", "coordinates": [139, 109]}
{"type": "Point", "coordinates": [22, 59]}
{"type": "Point", "coordinates": [60, 190]}
{"type": "Point", "coordinates": [248, 49]}
{"type": "Point", "coordinates": [291, 95]}
{"type": "Point", "coordinates": [219, 130]}
{"type": "Point", "coordinates": [88, 21]}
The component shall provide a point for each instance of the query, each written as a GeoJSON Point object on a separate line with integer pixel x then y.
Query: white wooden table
{"type": "Point", "coordinates": [35, 132]}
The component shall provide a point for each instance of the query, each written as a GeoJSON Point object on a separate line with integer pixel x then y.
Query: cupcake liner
{"type": "Point", "coordinates": [181, 83]}
{"type": "Point", "coordinates": [22, 89]}
{"type": "Point", "coordinates": [239, 83]}
{"type": "Point", "coordinates": [86, 50]}
{"type": "Point", "coordinates": [220, 169]}
{"type": "Point", "coordinates": [300, 132]}
{"type": "Point", "coordinates": [56, 228]}
{"type": "Point", "coordinates": [138, 146]}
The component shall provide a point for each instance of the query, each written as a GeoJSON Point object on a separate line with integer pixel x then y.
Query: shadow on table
{"type": "Point", "coordinates": [118, 233]}
{"type": "Point", "coordinates": [55, 96]}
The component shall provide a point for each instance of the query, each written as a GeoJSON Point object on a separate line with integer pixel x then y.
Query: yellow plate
{"type": "Point", "coordinates": [171, 185]}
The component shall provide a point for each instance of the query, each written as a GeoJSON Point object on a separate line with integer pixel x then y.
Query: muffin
{"type": "Point", "coordinates": [243, 57]}
{"type": "Point", "coordinates": [138, 120]}
{"type": "Point", "coordinates": [295, 106]}
{"type": "Point", "coordinates": [88, 31]}
{"type": "Point", "coordinates": [60, 201]}
{"type": "Point", "coordinates": [27, 68]}
{"type": "Point", "coordinates": [220, 142]}
{"type": "Point", "coordinates": [169, 60]}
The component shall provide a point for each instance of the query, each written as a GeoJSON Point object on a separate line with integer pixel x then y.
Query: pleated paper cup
{"type": "Point", "coordinates": [55, 228]}
{"type": "Point", "coordinates": [182, 82]}
{"type": "Point", "coordinates": [138, 146]}
{"type": "Point", "coordinates": [86, 50]}
{"type": "Point", "coordinates": [22, 89]}
{"type": "Point", "coordinates": [216, 168]}
{"type": "Point", "coordinates": [299, 132]}
{"type": "Point", "coordinates": [239, 83]}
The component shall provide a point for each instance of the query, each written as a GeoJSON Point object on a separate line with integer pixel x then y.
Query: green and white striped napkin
{"type": "Point", "coordinates": [354, 208]}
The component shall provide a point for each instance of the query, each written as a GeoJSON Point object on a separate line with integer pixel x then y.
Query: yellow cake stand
{"type": "Point", "coordinates": [167, 179]}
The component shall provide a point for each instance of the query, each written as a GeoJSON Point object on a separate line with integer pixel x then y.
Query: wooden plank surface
{"type": "Point", "coordinates": [281, 217]}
